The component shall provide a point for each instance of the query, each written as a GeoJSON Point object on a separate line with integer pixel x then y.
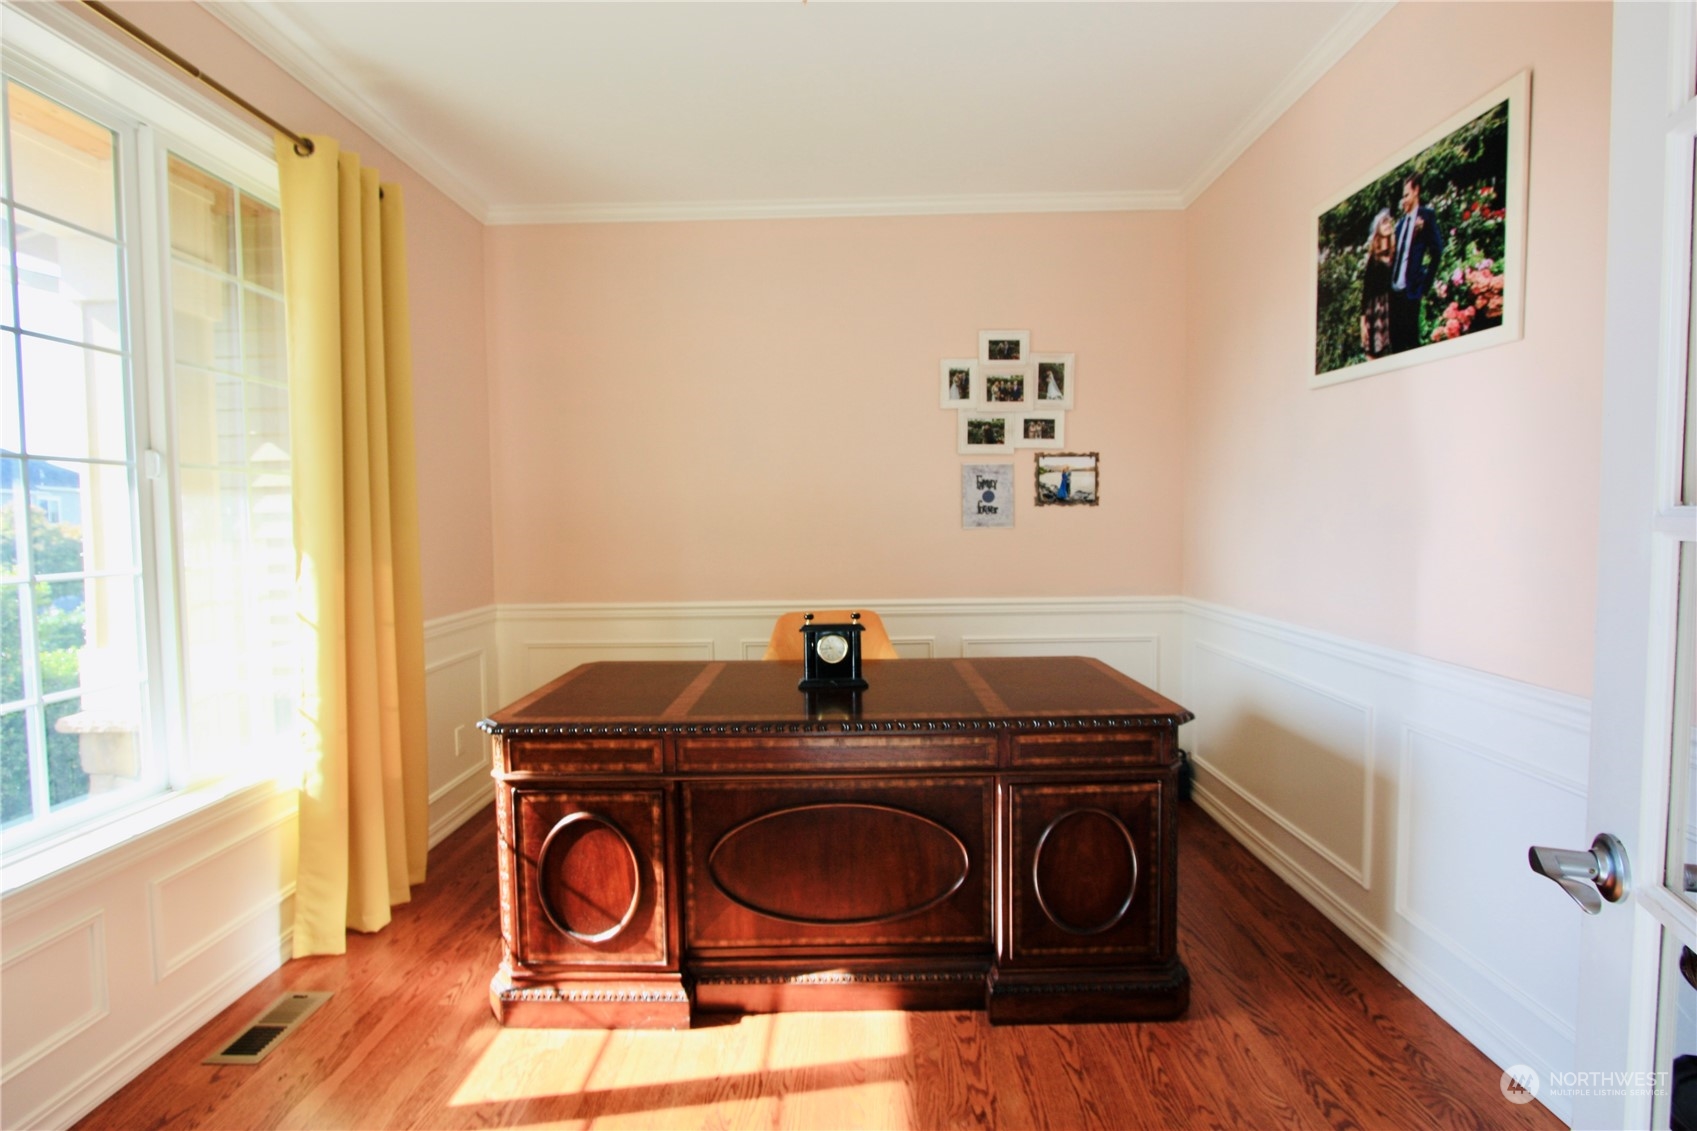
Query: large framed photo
{"type": "Point", "coordinates": [959, 383]}
{"type": "Point", "coordinates": [1067, 479]}
{"type": "Point", "coordinates": [1425, 258]}
{"type": "Point", "coordinates": [986, 433]}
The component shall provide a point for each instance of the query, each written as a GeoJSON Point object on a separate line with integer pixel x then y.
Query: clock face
{"type": "Point", "coordinates": [832, 647]}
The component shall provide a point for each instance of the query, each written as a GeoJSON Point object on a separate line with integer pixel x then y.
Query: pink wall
{"type": "Point", "coordinates": [748, 410]}
{"type": "Point", "coordinates": [1450, 509]}
{"type": "Point", "coordinates": [445, 269]}
{"type": "Point", "coordinates": [635, 399]}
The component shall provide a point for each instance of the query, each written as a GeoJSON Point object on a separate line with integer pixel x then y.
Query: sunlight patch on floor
{"type": "Point", "coordinates": [752, 1064]}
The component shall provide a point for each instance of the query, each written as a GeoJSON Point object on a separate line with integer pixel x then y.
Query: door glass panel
{"type": "Point", "coordinates": [202, 217]}
{"type": "Point", "coordinates": [8, 313]}
{"type": "Point", "coordinates": [14, 767]}
{"type": "Point", "coordinates": [1682, 806]}
{"type": "Point", "coordinates": [13, 536]}
{"type": "Point", "coordinates": [203, 323]}
{"type": "Point", "coordinates": [92, 529]}
{"type": "Point", "coordinates": [62, 163]}
{"type": "Point", "coordinates": [74, 401]}
{"type": "Point", "coordinates": [1676, 1034]}
{"type": "Point", "coordinates": [263, 336]}
{"type": "Point", "coordinates": [11, 439]}
{"type": "Point", "coordinates": [68, 283]}
{"type": "Point", "coordinates": [262, 244]}
{"type": "Point", "coordinates": [1688, 480]}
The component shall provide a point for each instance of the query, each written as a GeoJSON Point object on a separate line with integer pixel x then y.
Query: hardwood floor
{"type": "Point", "coordinates": [1290, 1025]}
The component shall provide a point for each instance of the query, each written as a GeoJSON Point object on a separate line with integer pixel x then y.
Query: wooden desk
{"type": "Point", "coordinates": [965, 834]}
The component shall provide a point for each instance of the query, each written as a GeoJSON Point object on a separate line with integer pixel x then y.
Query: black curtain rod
{"type": "Point", "coordinates": [303, 145]}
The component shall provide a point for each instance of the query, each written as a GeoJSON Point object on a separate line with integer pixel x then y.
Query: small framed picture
{"type": "Point", "coordinates": [1041, 430]}
{"type": "Point", "coordinates": [986, 495]}
{"type": "Point", "coordinates": [1056, 373]}
{"type": "Point", "coordinates": [985, 433]}
{"type": "Point", "coordinates": [960, 383]}
{"type": "Point", "coordinates": [1067, 479]}
{"type": "Point", "coordinates": [1004, 345]}
{"type": "Point", "coordinates": [1006, 387]}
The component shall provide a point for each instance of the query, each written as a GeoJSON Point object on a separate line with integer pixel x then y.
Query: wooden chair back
{"type": "Point", "coordinates": [786, 634]}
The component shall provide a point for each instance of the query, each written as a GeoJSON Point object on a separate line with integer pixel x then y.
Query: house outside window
{"type": "Point", "coordinates": [146, 548]}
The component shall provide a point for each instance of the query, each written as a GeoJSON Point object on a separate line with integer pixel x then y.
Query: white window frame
{"type": "Point", "coordinates": [55, 49]}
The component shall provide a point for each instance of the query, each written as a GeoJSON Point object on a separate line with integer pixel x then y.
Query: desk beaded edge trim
{"type": "Point", "coordinates": [579, 730]}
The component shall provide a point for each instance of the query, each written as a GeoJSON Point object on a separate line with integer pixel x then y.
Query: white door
{"type": "Point", "coordinates": [1635, 1010]}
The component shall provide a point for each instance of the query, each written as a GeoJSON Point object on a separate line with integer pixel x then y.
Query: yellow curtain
{"type": "Point", "coordinates": [364, 806]}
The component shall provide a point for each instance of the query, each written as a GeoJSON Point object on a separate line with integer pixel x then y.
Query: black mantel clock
{"type": "Point", "coordinates": [831, 655]}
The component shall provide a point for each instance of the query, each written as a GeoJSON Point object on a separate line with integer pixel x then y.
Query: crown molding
{"type": "Point", "coordinates": [269, 28]}
{"type": "Point", "coordinates": [821, 209]}
{"type": "Point", "coordinates": [1326, 54]}
{"type": "Point", "coordinates": [271, 31]}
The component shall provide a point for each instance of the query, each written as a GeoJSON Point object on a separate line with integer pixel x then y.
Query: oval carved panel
{"type": "Point", "coordinates": [590, 876]}
{"type": "Point", "coordinates": [1084, 871]}
{"type": "Point", "coordinates": [839, 864]}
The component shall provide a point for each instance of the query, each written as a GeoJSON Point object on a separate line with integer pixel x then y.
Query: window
{"type": "Point", "coordinates": [146, 549]}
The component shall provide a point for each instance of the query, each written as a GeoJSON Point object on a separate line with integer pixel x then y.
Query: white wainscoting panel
{"type": "Point", "coordinates": [544, 660]}
{"type": "Point", "coordinates": [1297, 752]}
{"type": "Point", "coordinates": [540, 642]}
{"type": "Point", "coordinates": [54, 987]}
{"type": "Point", "coordinates": [1399, 795]}
{"type": "Point", "coordinates": [1138, 656]}
{"type": "Point", "coordinates": [254, 867]}
{"type": "Point", "coordinates": [460, 663]}
{"type": "Point", "coordinates": [1487, 909]}
{"type": "Point", "coordinates": [111, 962]}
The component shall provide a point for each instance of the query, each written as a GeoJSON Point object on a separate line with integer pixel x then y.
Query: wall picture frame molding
{"type": "Point", "coordinates": [984, 432]}
{"type": "Point", "coordinates": [1004, 346]}
{"type": "Point", "coordinates": [1056, 375]}
{"type": "Point", "coordinates": [1424, 257]}
{"type": "Point", "coordinates": [1068, 479]}
{"type": "Point", "coordinates": [959, 383]}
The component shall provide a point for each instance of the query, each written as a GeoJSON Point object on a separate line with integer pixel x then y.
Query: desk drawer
{"type": "Point", "coordinates": [580, 755]}
{"type": "Point", "coordinates": [1097, 751]}
{"type": "Point", "coordinates": [829, 753]}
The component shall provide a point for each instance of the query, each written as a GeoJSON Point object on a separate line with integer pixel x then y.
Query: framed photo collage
{"type": "Point", "coordinates": [1007, 398]}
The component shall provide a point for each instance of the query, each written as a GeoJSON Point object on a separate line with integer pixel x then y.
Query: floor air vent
{"type": "Point", "coordinates": [272, 1026]}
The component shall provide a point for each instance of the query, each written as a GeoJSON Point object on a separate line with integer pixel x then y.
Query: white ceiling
{"type": "Point", "coordinates": [558, 112]}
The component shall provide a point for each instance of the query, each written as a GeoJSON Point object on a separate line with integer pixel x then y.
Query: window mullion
{"type": "Point", "coordinates": [149, 360]}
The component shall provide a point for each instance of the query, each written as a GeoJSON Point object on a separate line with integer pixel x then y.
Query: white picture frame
{"type": "Point", "coordinates": [959, 375]}
{"type": "Point", "coordinates": [981, 432]}
{"type": "Point", "coordinates": [1005, 347]}
{"type": "Point", "coordinates": [1005, 387]}
{"type": "Point", "coordinates": [1054, 373]}
{"type": "Point", "coordinates": [1335, 355]}
{"type": "Point", "coordinates": [1040, 430]}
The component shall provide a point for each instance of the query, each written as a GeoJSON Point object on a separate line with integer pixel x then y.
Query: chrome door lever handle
{"type": "Point", "coordinates": [1589, 877]}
